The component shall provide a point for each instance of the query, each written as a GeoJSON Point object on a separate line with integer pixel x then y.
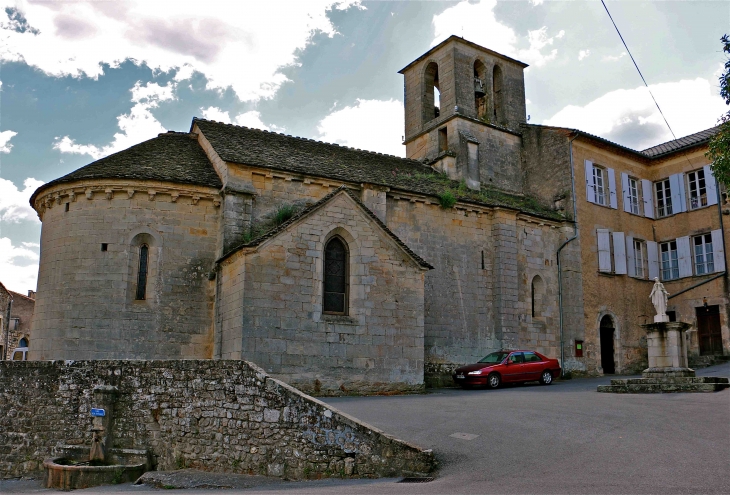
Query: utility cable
{"type": "Point", "coordinates": [638, 70]}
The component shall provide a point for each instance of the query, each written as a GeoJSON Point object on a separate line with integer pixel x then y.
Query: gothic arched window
{"type": "Point", "coordinates": [480, 89]}
{"type": "Point", "coordinates": [538, 294]}
{"type": "Point", "coordinates": [144, 252]}
{"type": "Point", "coordinates": [335, 277]}
{"type": "Point", "coordinates": [498, 96]}
{"type": "Point", "coordinates": [23, 342]}
{"type": "Point", "coordinates": [431, 93]}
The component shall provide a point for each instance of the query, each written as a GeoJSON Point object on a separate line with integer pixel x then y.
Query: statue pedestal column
{"type": "Point", "coordinates": [668, 370]}
{"type": "Point", "coordinates": [667, 349]}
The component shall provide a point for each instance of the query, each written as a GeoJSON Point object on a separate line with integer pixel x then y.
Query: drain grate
{"type": "Point", "coordinates": [415, 480]}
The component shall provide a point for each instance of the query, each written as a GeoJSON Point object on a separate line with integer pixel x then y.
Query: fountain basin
{"type": "Point", "coordinates": [71, 472]}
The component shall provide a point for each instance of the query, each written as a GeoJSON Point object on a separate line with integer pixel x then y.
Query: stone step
{"type": "Point", "coordinates": [670, 380]}
{"type": "Point", "coordinates": [661, 388]}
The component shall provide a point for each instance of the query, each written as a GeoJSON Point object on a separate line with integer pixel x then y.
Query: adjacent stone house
{"type": "Point", "coordinates": [339, 269]}
{"type": "Point", "coordinates": [16, 316]}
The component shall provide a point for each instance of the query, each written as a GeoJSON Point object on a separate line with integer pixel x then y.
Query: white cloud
{"type": "Point", "coordinates": [5, 137]}
{"type": "Point", "coordinates": [583, 54]}
{"type": "Point", "coordinates": [477, 22]}
{"type": "Point", "coordinates": [137, 126]}
{"type": "Point", "coordinates": [238, 44]}
{"type": "Point", "coordinates": [629, 116]}
{"type": "Point", "coordinates": [613, 58]}
{"type": "Point", "coordinates": [14, 206]}
{"type": "Point", "coordinates": [248, 119]}
{"type": "Point", "coordinates": [373, 125]}
{"type": "Point", "coordinates": [215, 113]}
{"type": "Point", "coordinates": [19, 266]}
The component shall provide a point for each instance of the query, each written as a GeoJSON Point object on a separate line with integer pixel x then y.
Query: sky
{"type": "Point", "coordinates": [80, 80]}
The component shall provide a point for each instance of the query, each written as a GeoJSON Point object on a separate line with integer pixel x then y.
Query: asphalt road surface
{"type": "Point", "coordinates": [564, 438]}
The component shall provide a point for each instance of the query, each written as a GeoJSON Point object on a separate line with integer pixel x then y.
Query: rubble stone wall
{"type": "Point", "coordinates": [225, 416]}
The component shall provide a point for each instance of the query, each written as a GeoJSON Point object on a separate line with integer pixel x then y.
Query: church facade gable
{"type": "Point", "coordinates": [330, 303]}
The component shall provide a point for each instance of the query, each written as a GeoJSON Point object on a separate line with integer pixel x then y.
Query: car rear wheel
{"type": "Point", "coordinates": [546, 378]}
{"type": "Point", "coordinates": [494, 380]}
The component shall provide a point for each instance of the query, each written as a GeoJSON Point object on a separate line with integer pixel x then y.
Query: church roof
{"type": "Point", "coordinates": [171, 157]}
{"type": "Point", "coordinates": [315, 206]}
{"type": "Point", "coordinates": [271, 150]}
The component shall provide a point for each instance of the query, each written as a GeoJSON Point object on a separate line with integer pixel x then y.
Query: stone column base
{"type": "Point", "coordinates": [668, 372]}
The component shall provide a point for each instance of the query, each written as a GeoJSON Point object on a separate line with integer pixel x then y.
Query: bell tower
{"type": "Point", "coordinates": [464, 105]}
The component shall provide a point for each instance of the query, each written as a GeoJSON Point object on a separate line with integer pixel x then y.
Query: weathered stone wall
{"type": "Point", "coordinates": [225, 416]}
{"type": "Point", "coordinates": [86, 305]}
{"type": "Point", "coordinates": [377, 346]}
{"type": "Point", "coordinates": [546, 166]}
{"type": "Point", "coordinates": [478, 296]}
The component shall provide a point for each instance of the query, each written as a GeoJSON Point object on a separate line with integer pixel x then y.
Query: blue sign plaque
{"type": "Point", "coordinates": [98, 413]}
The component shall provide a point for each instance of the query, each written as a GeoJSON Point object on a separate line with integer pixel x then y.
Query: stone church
{"type": "Point", "coordinates": [343, 270]}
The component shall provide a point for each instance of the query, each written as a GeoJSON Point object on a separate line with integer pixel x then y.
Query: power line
{"type": "Point", "coordinates": [638, 70]}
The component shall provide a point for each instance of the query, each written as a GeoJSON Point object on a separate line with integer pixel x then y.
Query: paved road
{"type": "Point", "coordinates": [563, 438]}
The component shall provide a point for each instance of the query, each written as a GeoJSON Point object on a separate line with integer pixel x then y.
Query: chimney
{"type": "Point", "coordinates": [31, 294]}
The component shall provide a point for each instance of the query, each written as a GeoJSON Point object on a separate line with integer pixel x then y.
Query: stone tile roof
{"type": "Point", "coordinates": [172, 157]}
{"type": "Point", "coordinates": [679, 144]}
{"type": "Point", "coordinates": [271, 150]}
{"type": "Point", "coordinates": [315, 206]}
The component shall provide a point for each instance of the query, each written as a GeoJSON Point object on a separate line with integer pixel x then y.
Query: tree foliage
{"type": "Point", "coordinates": [719, 147]}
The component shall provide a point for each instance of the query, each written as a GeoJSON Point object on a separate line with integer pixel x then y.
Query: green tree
{"type": "Point", "coordinates": [719, 147]}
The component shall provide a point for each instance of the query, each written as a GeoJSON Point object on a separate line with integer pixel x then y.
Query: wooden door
{"type": "Point", "coordinates": [708, 330]}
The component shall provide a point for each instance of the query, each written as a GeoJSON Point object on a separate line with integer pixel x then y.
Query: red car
{"type": "Point", "coordinates": [508, 367]}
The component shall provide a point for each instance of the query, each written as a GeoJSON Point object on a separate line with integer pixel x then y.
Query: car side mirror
{"type": "Point", "coordinates": [506, 362]}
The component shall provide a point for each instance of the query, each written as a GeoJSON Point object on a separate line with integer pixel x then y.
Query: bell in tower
{"type": "Point", "coordinates": [464, 106]}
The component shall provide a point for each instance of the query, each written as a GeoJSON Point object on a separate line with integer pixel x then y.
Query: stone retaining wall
{"type": "Point", "coordinates": [225, 416]}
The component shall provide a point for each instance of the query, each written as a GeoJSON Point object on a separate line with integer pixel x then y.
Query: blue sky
{"type": "Point", "coordinates": [81, 80]}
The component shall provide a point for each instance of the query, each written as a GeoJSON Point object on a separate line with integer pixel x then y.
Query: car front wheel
{"type": "Point", "coordinates": [546, 378]}
{"type": "Point", "coordinates": [494, 381]}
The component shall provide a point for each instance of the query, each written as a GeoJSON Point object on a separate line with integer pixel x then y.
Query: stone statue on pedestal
{"type": "Point", "coordinates": [658, 298]}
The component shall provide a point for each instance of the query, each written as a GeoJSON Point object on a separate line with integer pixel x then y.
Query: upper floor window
{"type": "Point", "coordinates": [14, 323]}
{"type": "Point", "coordinates": [669, 260]}
{"type": "Point", "coordinates": [697, 189]}
{"type": "Point", "coordinates": [703, 255]}
{"type": "Point", "coordinates": [599, 182]}
{"type": "Point", "coordinates": [663, 198]}
{"type": "Point", "coordinates": [23, 342]}
{"type": "Point", "coordinates": [600, 185]}
{"type": "Point", "coordinates": [639, 258]}
{"type": "Point", "coordinates": [633, 195]}
{"type": "Point", "coordinates": [335, 277]}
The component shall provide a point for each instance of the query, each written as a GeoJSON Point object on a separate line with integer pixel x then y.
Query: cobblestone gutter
{"type": "Point", "coordinates": [222, 416]}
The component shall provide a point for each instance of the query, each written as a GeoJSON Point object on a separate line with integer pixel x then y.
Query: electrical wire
{"type": "Point", "coordinates": [638, 70]}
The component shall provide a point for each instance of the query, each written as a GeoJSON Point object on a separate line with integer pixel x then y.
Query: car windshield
{"type": "Point", "coordinates": [495, 357]}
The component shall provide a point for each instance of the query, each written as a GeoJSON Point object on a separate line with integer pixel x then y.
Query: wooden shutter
{"type": "Point", "coordinates": [625, 192]}
{"type": "Point", "coordinates": [647, 191]}
{"type": "Point", "coordinates": [676, 185]}
{"type": "Point", "coordinates": [710, 185]}
{"type": "Point", "coordinates": [604, 250]}
{"type": "Point", "coordinates": [612, 198]}
{"type": "Point", "coordinates": [590, 188]}
{"type": "Point", "coordinates": [718, 250]}
{"type": "Point", "coordinates": [630, 258]}
{"type": "Point", "coordinates": [652, 256]}
{"type": "Point", "coordinates": [684, 256]}
{"type": "Point", "coordinates": [619, 253]}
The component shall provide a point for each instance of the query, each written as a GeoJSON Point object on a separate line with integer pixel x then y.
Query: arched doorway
{"type": "Point", "coordinates": [607, 335]}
